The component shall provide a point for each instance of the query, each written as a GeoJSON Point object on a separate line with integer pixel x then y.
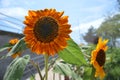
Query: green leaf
{"type": "Point", "coordinates": [32, 77]}
{"type": "Point", "coordinates": [93, 74]}
{"type": "Point", "coordinates": [115, 71]}
{"type": "Point", "coordinates": [18, 47]}
{"type": "Point", "coordinates": [73, 54]}
{"type": "Point", "coordinates": [16, 68]}
{"type": "Point", "coordinates": [87, 73]}
{"type": "Point", "coordinates": [6, 46]}
{"type": "Point", "coordinates": [66, 70]}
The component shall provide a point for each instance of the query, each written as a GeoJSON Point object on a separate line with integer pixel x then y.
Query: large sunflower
{"type": "Point", "coordinates": [98, 58]}
{"type": "Point", "coordinates": [13, 42]}
{"type": "Point", "coordinates": [46, 31]}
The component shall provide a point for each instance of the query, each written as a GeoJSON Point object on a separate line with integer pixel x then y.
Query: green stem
{"type": "Point", "coordinates": [38, 69]}
{"type": "Point", "coordinates": [86, 55]}
{"type": "Point", "coordinates": [46, 66]}
{"type": "Point", "coordinates": [93, 74]}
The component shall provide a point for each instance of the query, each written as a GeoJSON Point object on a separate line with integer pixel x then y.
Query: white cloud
{"type": "Point", "coordinates": [14, 11]}
{"type": "Point", "coordinates": [83, 27]}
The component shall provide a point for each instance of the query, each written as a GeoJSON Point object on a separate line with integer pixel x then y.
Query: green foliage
{"type": "Point", "coordinates": [16, 68]}
{"type": "Point", "coordinates": [73, 54]}
{"type": "Point", "coordinates": [110, 29]}
{"type": "Point", "coordinates": [32, 77]}
{"type": "Point", "coordinates": [18, 47]}
{"type": "Point", "coordinates": [115, 71]}
{"type": "Point", "coordinates": [65, 69]}
{"type": "Point", "coordinates": [90, 49]}
{"type": "Point", "coordinates": [118, 4]}
{"type": "Point", "coordinates": [87, 73]}
{"type": "Point", "coordinates": [89, 70]}
{"type": "Point", "coordinates": [113, 63]}
{"type": "Point", "coordinates": [75, 59]}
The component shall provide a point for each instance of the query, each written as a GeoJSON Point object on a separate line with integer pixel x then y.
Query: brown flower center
{"type": "Point", "coordinates": [100, 58]}
{"type": "Point", "coordinates": [46, 29]}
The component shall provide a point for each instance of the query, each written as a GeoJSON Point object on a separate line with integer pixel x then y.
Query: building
{"type": "Point", "coordinates": [30, 70]}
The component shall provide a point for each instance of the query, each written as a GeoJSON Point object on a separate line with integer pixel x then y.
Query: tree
{"type": "Point", "coordinates": [90, 36]}
{"type": "Point", "coordinates": [118, 4]}
{"type": "Point", "coordinates": [110, 28]}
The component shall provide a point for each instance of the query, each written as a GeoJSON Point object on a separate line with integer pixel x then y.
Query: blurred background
{"type": "Point", "coordinates": [83, 14]}
{"type": "Point", "coordinates": [89, 19]}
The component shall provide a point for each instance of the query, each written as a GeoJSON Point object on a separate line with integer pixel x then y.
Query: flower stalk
{"type": "Point", "coordinates": [38, 69]}
{"type": "Point", "coordinates": [46, 66]}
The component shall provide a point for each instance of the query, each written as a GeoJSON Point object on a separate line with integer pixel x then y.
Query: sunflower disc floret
{"type": "Point", "coordinates": [98, 58]}
{"type": "Point", "coordinates": [46, 31]}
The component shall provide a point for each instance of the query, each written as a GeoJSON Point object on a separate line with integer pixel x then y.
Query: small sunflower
{"type": "Point", "coordinates": [13, 42]}
{"type": "Point", "coordinates": [46, 31]}
{"type": "Point", "coordinates": [98, 58]}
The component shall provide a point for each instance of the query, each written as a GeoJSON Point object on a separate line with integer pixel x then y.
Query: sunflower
{"type": "Point", "coordinates": [46, 31]}
{"type": "Point", "coordinates": [98, 58]}
{"type": "Point", "coordinates": [13, 42]}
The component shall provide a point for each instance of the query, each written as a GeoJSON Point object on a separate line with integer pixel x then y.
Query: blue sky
{"type": "Point", "coordinates": [82, 13]}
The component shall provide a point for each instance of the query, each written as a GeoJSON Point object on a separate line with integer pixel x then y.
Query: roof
{"type": "Point", "coordinates": [10, 34]}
